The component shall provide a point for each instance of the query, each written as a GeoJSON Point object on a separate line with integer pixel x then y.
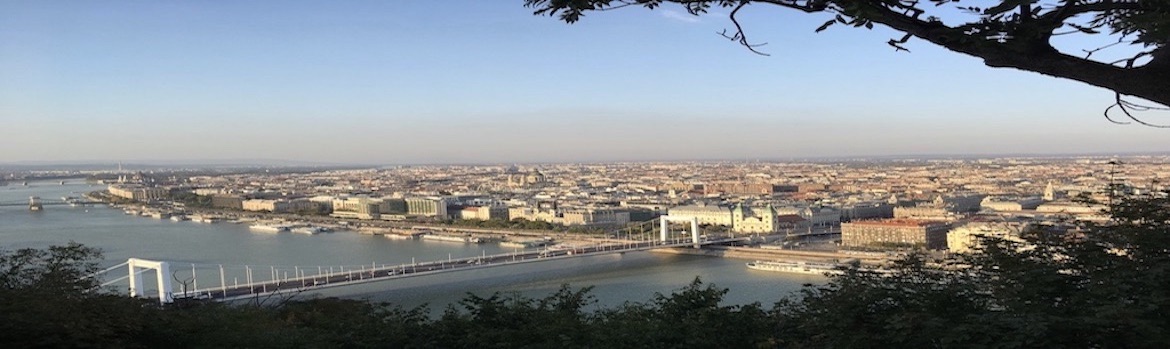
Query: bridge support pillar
{"type": "Point", "coordinates": [162, 273]}
{"type": "Point", "coordinates": [664, 227]}
{"type": "Point", "coordinates": [695, 231]}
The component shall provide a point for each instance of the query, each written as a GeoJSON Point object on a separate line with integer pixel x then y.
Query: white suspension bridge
{"type": "Point", "coordinates": [256, 281]}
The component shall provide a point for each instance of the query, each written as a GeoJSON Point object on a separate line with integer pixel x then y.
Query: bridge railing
{"type": "Point", "coordinates": [313, 277]}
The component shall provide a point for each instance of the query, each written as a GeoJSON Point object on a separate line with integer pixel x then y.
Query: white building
{"type": "Point", "coordinates": [748, 219]}
{"type": "Point", "coordinates": [138, 192]}
{"type": "Point", "coordinates": [356, 207]}
{"type": "Point", "coordinates": [428, 206]}
{"type": "Point", "coordinates": [818, 217]}
{"type": "Point", "coordinates": [1010, 204]}
{"type": "Point", "coordinates": [595, 216]}
{"type": "Point", "coordinates": [965, 238]}
{"type": "Point", "coordinates": [706, 214]}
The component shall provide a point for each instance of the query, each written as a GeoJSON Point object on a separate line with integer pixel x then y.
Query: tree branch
{"type": "Point", "coordinates": [1032, 56]}
{"type": "Point", "coordinates": [739, 35]}
{"type": "Point", "coordinates": [1074, 8]}
{"type": "Point", "coordinates": [1001, 38]}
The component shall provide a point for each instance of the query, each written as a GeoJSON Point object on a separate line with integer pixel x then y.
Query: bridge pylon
{"type": "Point", "coordinates": [162, 273]}
{"type": "Point", "coordinates": [665, 227]}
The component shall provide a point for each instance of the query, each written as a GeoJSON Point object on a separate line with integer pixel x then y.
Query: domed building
{"type": "Point", "coordinates": [518, 179]}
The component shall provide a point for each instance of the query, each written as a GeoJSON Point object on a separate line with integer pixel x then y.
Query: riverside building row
{"type": "Point", "coordinates": [734, 195]}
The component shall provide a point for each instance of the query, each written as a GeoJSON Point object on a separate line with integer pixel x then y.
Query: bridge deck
{"type": "Point", "coordinates": [375, 274]}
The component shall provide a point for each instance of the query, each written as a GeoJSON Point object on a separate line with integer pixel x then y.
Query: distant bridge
{"type": "Point", "coordinates": [37, 201]}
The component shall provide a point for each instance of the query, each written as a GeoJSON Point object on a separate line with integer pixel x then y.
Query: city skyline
{"type": "Point", "coordinates": [160, 164]}
{"type": "Point", "coordinates": [471, 82]}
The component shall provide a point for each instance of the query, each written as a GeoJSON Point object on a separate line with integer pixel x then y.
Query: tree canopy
{"type": "Point", "coordinates": [1005, 33]}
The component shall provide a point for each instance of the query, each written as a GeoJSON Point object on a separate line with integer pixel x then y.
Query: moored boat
{"type": "Point", "coordinates": [526, 243]}
{"type": "Point", "coordinates": [796, 267]}
{"type": "Point", "coordinates": [309, 230]}
{"type": "Point", "coordinates": [450, 238]}
{"type": "Point", "coordinates": [269, 228]}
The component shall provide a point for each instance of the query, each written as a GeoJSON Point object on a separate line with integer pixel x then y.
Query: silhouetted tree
{"type": "Point", "coordinates": [1005, 33]}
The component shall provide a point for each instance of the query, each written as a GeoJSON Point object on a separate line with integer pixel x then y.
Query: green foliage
{"type": "Point", "coordinates": [503, 224]}
{"type": "Point", "coordinates": [58, 269]}
{"type": "Point", "coordinates": [693, 317]}
{"type": "Point", "coordinates": [514, 321]}
{"type": "Point", "coordinates": [1096, 285]}
{"type": "Point", "coordinates": [47, 300]}
{"type": "Point", "coordinates": [191, 199]}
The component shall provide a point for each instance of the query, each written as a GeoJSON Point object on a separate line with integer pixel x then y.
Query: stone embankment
{"type": "Point", "coordinates": [756, 253]}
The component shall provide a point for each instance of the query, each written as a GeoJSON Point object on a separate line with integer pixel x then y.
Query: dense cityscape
{"type": "Point", "coordinates": [888, 205]}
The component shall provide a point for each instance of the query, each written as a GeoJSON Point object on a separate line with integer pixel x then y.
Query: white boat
{"type": "Point", "coordinates": [525, 243]}
{"type": "Point", "coordinates": [796, 267]}
{"type": "Point", "coordinates": [268, 228]}
{"type": "Point", "coordinates": [396, 236]}
{"type": "Point", "coordinates": [202, 219]}
{"type": "Point", "coordinates": [310, 230]}
{"type": "Point", "coordinates": [450, 238]}
{"type": "Point", "coordinates": [179, 218]}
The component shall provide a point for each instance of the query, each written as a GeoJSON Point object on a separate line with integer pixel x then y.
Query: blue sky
{"type": "Point", "coordinates": [486, 81]}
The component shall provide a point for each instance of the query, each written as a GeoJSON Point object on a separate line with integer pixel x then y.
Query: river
{"type": "Point", "coordinates": [616, 278]}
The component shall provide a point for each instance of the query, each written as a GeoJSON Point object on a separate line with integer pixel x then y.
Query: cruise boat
{"type": "Point", "coordinates": [796, 267]}
{"type": "Point", "coordinates": [268, 228]}
{"type": "Point", "coordinates": [525, 244]}
{"type": "Point", "coordinates": [452, 238]}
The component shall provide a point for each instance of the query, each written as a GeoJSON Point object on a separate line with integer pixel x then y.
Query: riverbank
{"type": "Point", "coordinates": [369, 227]}
{"type": "Point", "coordinates": [756, 253]}
{"type": "Point", "coordinates": [616, 278]}
{"type": "Point", "coordinates": [410, 230]}
{"type": "Point", "coordinates": [271, 222]}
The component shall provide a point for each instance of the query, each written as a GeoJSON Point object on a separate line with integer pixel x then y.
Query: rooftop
{"type": "Point", "coordinates": [899, 222]}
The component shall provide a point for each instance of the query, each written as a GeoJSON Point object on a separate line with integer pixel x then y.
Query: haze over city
{"type": "Point", "coordinates": [481, 81]}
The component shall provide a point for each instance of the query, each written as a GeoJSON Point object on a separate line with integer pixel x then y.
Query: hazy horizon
{"type": "Point", "coordinates": [296, 163]}
{"type": "Point", "coordinates": [375, 82]}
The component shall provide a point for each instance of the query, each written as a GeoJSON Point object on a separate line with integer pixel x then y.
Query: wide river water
{"type": "Point", "coordinates": [616, 279]}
